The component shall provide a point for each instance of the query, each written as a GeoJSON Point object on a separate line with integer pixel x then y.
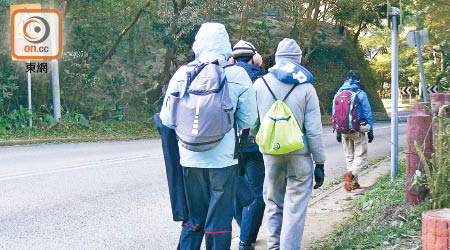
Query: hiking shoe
{"type": "Point", "coordinates": [348, 182]}
{"type": "Point", "coordinates": [355, 184]}
{"type": "Point", "coordinates": [246, 246]}
{"type": "Point", "coordinates": [351, 182]}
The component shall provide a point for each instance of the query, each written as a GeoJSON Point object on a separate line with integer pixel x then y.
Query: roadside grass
{"type": "Point", "coordinates": [95, 130]}
{"type": "Point", "coordinates": [381, 219]}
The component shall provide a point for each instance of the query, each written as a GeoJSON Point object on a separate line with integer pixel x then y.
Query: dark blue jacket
{"type": "Point", "coordinates": [253, 71]}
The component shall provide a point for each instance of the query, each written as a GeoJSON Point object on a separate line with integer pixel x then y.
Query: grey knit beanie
{"type": "Point", "coordinates": [288, 49]}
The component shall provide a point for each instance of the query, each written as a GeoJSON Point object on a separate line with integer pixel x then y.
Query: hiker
{"type": "Point", "coordinates": [352, 119]}
{"type": "Point", "coordinates": [203, 100]}
{"type": "Point", "coordinates": [289, 177]}
{"type": "Point", "coordinates": [250, 217]}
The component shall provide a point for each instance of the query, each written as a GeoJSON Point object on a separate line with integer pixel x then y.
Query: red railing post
{"type": "Point", "coordinates": [419, 130]}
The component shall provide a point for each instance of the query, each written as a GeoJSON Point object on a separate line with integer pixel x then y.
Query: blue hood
{"type": "Point", "coordinates": [291, 72]}
{"type": "Point", "coordinates": [350, 84]}
{"type": "Point", "coordinates": [253, 71]}
{"type": "Point", "coordinates": [212, 43]}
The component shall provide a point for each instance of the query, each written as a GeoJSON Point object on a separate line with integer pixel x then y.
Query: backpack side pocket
{"type": "Point", "coordinates": [172, 101]}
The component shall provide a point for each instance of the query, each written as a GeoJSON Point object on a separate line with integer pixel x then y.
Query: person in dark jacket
{"type": "Point", "coordinates": [250, 217]}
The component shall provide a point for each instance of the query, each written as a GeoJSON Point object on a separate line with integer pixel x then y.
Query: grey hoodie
{"type": "Point", "coordinates": [303, 100]}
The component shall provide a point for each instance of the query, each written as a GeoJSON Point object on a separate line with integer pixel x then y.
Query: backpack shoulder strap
{"type": "Point", "coordinates": [270, 90]}
{"type": "Point", "coordinates": [290, 91]}
{"type": "Point", "coordinates": [224, 64]}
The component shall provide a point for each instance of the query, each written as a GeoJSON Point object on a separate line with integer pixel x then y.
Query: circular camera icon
{"type": "Point", "coordinates": [36, 29]}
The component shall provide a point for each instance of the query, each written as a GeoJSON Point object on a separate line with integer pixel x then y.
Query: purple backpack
{"type": "Point", "coordinates": [345, 117]}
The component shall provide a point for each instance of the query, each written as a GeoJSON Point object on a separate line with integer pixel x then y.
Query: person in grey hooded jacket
{"type": "Point", "coordinates": [289, 178]}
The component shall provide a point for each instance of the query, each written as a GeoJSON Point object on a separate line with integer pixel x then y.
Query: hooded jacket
{"type": "Point", "coordinates": [303, 100]}
{"type": "Point", "coordinates": [213, 43]}
{"type": "Point", "coordinates": [364, 110]}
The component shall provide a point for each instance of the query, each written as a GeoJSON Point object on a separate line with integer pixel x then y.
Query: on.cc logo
{"type": "Point", "coordinates": [40, 27]}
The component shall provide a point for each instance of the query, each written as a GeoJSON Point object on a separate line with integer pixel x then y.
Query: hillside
{"type": "Point", "coordinates": [333, 56]}
{"type": "Point", "coordinates": [330, 63]}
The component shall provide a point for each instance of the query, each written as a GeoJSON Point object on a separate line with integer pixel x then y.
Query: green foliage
{"type": "Point", "coordinates": [127, 84]}
{"type": "Point", "coordinates": [50, 121]}
{"type": "Point", "coordinates": [424, 14]}
{"type": "Point", "coordinates": [76, 118]}
{"type": "Point", "coordinates": [73, 125]}
{"type": "Point", "coordinates": [437, 171]}
{"type": "Point", "coordinates": [8, 85]}
{"type": "Point", "coordinates": [380, 219]}
{"type": "Point", "coordinates": [15, 120]}
{"type": "Point", "coordinates": [330, 64]}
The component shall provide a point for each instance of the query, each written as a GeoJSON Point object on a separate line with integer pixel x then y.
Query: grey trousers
{"type": "Point", "coordinates": [287, 190]}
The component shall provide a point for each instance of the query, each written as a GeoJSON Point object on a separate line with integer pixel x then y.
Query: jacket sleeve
{"type": "Point", "coordinates": [313, 126]}
{"type": "Point", "coordinates": [334, 98]}
{"type": "Point", "coordinates": [174, 86]}
{"type": "Point", "coordinates": [366, 109]}
{"type": "Point", "coordinates": [246, 113]}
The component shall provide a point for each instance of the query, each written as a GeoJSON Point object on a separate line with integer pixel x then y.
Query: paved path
{"type": "Point", "coordinates": [110, 195]}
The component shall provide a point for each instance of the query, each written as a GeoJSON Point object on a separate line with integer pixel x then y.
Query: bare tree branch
{"type": "Point", "coordinates": [122, 34]}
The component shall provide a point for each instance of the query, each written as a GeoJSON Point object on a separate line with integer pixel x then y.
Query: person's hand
{"type": "Point", "coordinates": [339, 137]}
{"type": "Point", "coordinates": [319, 175]}
{"type": "Point", "coordinates": [370, 136]}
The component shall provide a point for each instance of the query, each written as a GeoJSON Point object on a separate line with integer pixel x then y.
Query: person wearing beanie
{"type": "Point", "coordinates": [354, 142]}
{"type": "Point", "coordinates": [289, 177]}
{"type": "Point", "coordinates": [250, 217]}
{"type": "Point", "coordinates": [246, 56]}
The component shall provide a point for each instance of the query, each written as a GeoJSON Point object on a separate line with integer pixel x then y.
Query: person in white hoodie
{"type": "Point", "coordinates": [209, 176]}
{"type": "Point", "coordinates": [289, 178]}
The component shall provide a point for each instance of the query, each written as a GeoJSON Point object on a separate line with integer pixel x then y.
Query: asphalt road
{"type": "Point", "coordinates": [110, 195]}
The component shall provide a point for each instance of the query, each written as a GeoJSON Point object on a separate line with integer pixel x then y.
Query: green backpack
{"type": "Point", "coordinates": [279, 132]}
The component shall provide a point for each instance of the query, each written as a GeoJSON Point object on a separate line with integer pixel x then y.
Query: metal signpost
{"type": "Point", "coordinates": [417, 39]}
{"type": "Point", "coordinates": [395, 15]}
{"type": "Point", "coordinates": [12, 8]}
{"type": "Point", "coordinates": [30, 107]}
{"type": "Point", "coordinates": [55, 90]}
{"type": "Point", "coordinates": [55, 79]}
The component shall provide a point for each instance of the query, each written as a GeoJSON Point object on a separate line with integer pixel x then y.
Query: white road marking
{"type": "Point", "coordinates": [77, 167]}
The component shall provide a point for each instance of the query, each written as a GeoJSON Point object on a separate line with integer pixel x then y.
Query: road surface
{"type": "Point", "coordinates": [108, 195]}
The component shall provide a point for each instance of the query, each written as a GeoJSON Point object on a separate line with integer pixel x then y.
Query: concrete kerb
{"type": "Point", "coordinates": [17, 142]}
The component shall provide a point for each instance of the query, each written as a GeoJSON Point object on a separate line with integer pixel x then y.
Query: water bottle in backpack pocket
{"type": "Point", "coordinates": [202, 113]}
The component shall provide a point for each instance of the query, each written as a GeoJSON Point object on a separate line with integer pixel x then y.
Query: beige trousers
{"type": "Point", "coordinates": [355, 148]}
